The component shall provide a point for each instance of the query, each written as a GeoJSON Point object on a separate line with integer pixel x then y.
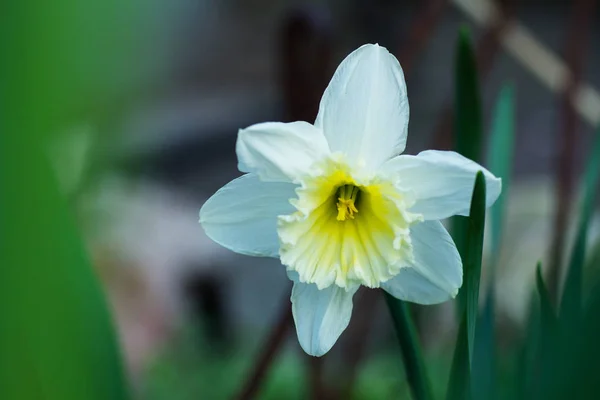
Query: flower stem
{"type": "Point", "coordinates": [410, 347]}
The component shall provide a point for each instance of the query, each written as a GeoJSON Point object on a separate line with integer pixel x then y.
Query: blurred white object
{"type": "Point", "coordinates": [145, 240]}
{"type": "Point", "coordinates": [526, 240]}
{"type": "Point", "coordinates": [151, 226]}
{"type": "Point", "coordinates": [550, 69]}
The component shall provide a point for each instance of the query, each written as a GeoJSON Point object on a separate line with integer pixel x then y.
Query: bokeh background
{"type": "Point", "coordinates": [156, 91]}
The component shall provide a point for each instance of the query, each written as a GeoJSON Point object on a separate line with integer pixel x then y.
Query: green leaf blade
{"type": "Point", "coordinates": [467, 126]}
{"type": "Point", "coordinates": [571, 301]}
{"type": "Point", "coordinates": [467, 121]}
{"type": "Point", "coordinates": [467, 232]}
{"type": "Point", "coordinates": [459, 387]}
{"type": "Point", "coordinates": [484, 355]}
{"type": "Point", "coordinates": [526, 370]}
{"type": "Point", "coordinates": [57, 340]}
{"type": "Point", "coordinates": [547, 314]}
{"type": "Point", "coordinates": [474, 252]}
{"type": "Point", "coordinates": [500, 157]}
{"type": "Point", "coordinates": [414, 364]}
{"type": "Point", "coordinates": [460, 375]}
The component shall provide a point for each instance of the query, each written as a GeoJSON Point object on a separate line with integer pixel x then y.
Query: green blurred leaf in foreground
{"type": "Point", "coordinates": [57, 340]}
{"type": "Point", "coordinates": [56, 337]}
{"type": "Point", "coordinates": [460, 381]}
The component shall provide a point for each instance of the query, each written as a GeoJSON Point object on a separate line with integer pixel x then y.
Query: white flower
{"type": "Point", "coordinates": [341, 208]}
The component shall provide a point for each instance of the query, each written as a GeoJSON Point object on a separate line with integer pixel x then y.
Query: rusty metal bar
{"type": "Point", "coordinates": [487, 49]}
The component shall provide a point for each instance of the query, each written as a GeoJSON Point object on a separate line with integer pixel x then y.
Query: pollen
{"type": "Point", "coordinates": [347, 199]}
{"type": "Point", "coordinates": [346, 229]}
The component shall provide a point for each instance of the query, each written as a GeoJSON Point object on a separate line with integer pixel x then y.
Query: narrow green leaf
{"type": "Point", "coordinates": [467, 121]}
{"type": "Point", "coordinates": [548, 316]}
{"type": "Point", "coordinates": [571, 302]}
{"type": "Point", "coordinates": [594, 295]}
{"type": "Point", "coordinates": [410, 347]}
{"type": "Point", "coordinates": [472, 260]}
{"type": "Point", "coordinates": [568, 342]}
{"type": "Point", "coordinates": [459, 227]}
{"type": "Point", "coordinates": [467, 125]}
{"type": "Point", "coordinates": [460, 375]}
{"type": "Point", "coordinates": [526, 373]}
{"type": "Point", "coordinates": [459, 387]}
{"type": "Point", "coordinates": [551, 350]}
{"type": "Point", "coordinates": [592, 265]}
{"type": "Point", "coordinates": [576, 367]}
{"type": "Point", "coordinates": [500, 156]}
{"type": "Point", "coordinates": [484, 356]}
{"type": "Point", "coordinates": [583, 379]}
{"type": "Point", "coordinates": [578, 359]}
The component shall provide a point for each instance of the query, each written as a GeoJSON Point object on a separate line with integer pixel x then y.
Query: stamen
{"type": "Point", "coordinates": [346, 204]}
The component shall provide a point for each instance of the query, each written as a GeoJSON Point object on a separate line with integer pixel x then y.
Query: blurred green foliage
{"type": "Point", "coordinates": [459, 386]}
{"type": "Point", "coordinates": [56, 337]}
{"type": "Point", "coordinates": [468, 131]}
{"type": "Point", "coordinates": [190, 366]}
{"type": "Point", "coordinates": [500, 160]}
{"type": "Point", "coordinates": [500, 156]}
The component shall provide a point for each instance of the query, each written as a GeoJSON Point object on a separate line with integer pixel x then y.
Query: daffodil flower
{"type": "Point", "coordinates": [341, 208]}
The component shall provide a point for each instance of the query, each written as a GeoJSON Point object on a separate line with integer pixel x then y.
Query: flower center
{"type": "Point", "coordinates": [347, 229]}
{"type": "Point", "coordinates": [347, 198]}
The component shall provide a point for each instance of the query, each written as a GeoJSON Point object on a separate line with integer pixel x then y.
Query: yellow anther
{"type": "Point", "coordinates": [346, 202]}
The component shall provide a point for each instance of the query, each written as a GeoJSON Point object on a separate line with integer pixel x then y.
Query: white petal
{"type": "Point", "coordinates": [242, 215]}
{"type": "Point", "coordinates": [320, 315]}
{"type": "Point", "coordinates": [436, 274]}
{"type": "Point", "coordinates": [278, 151]}
{"type": "Point", "coordinates": [441, 181]}
{"type": "Point", "coordinates": [364, 110]}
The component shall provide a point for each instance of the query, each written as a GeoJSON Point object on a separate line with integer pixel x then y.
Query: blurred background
{"type": "Point", "coordinates": [164, 87]}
